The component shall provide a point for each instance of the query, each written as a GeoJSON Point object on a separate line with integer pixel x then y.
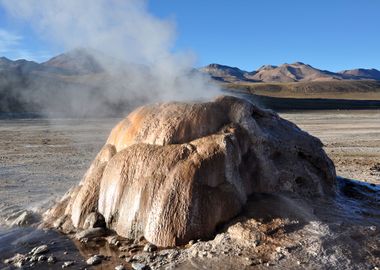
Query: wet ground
{"type": "Point", "coordinates": [41, 159]}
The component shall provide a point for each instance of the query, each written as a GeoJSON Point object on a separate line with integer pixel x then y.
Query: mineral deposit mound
{"type": "Point", "coordinates": [173, 172]}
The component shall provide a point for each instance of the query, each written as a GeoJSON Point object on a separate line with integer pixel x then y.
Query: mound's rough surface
{"type": "Point", "coordinates": [173, 172]}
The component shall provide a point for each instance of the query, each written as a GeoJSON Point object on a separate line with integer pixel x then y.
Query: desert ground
{"type": "Point", "coordinates": [41, 159]}
{"type": "Point", "coordinates": [351, 139]}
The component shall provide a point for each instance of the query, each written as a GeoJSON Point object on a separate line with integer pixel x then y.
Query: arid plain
{"type": "Point", "coordinates": [41, 159]}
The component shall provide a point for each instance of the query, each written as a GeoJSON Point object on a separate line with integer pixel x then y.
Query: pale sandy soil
{"type": "Point", "coordinates": [351, 138]}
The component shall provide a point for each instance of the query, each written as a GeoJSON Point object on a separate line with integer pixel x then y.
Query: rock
{"type": "Point", "coordinates": [40, 249]}
{"type": "Point", "coordinates": [150, 248]}
{"type": "Point", "coordinates": [67, 264]}
{"type": "Point", "coordinates": [52, 259]}
{"type": "Point", "coordinates": [172, 254]}
{"type": "Point", "coordinates": [94, 220]}
{"type": "Point", "coordinates": [42, 258]}
{"type": "Point", "coordinates": [90, 233]}
{"type": "Point", "coordinates": [120, 267]}
{"type": "Point", "coordinates": [16, 258]}
{"type": "Point", "coordinates": [94, 260]}
{"type": "Point", "coordinates": [140, 266]}
{"type": "Point", "coordinates": [113, 240]}
{"type": "Point", "coordinates": [190, 162]}
{"type": "Point", "coordinates": [24, 218]}
{"type": "Point", "coordinates": [19, 264]}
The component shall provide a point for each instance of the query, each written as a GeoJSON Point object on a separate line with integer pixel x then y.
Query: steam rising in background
{"type": "Point", "coordinates": [132, 47]}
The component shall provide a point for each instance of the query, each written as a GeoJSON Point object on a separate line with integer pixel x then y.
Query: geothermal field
{"type": "Point", "coordinates": [42, 159]}
{"type": "Point", "coordinates": [221, 135]}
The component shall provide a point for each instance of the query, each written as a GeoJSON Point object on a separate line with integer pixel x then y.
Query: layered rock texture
{"type": "Point", "coordinates": [173, 172]}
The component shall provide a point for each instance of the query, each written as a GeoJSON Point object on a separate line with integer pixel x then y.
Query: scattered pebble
{"type": "Point", "coordinates": [67, 264]}
{"type": "Point", "coordinates": [150, 247]}
{"type": "Point", "coordinates": [90, 233]}
{"type": "Point", "coordinates": [94, 260]}
{"type": "Point", "coordinates": [42, 258]}
{"type": "Point", "coordinates": [34, 258]}
{"type": "Point", "coordinates": [51, 259]}
{"type": "Point", "coordinates": [120, 267]}
{"type": "Point", "coordinates": [140, 266]}
{"type": "Point", "coordinates": [39, 250]}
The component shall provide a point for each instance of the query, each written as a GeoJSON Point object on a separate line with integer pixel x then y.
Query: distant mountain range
{"type": "Point", "coordinates": [296, 72]}
{"type": "Point", "coordinates": [75, 83]}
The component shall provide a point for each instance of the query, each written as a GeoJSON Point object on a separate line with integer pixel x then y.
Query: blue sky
{"type": "Point", "coordinates": [328, 34]}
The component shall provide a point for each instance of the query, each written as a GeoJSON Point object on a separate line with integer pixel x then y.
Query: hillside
{"type": "Point", "coordinates": [344, 89]}
{"type": "Point", "coordinates": [296, 72]}
{"type": "Point", "coordinates": [62, 85]}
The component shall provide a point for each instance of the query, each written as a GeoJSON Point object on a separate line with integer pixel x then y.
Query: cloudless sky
{"type": "Point", "coordinates": [328, 34]}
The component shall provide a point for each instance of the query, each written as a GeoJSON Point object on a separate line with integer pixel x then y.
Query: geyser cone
{"type": "Point", "coordinates": [173, 172]}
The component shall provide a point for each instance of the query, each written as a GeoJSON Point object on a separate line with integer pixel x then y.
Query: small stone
{"type": "Point", "coordinates": [278, 249]}
{"type": "Point", "coordinates": [42, 258]}
{"type": "Point", "coordinates": [267, 264]}
{"type": "Point", "coordinates": [51, 259]}
{"type": "Point", "coordinates": [172, 254]}
{"type": "Point", "coordinates": [140, 266]}
{"type": "Point", "coordinates": [194, 253]}
{"type": "Point", "coordinates": [372, 228]}
{"type": "Point", "coordinates": [150, 247]}
{"type": "Point", "coordinates": [129, 259]}
{"type": "Point", "coordinates": [25, 218]}
{"type": "Point", "coordinates": [139, 239]}
{"type": "Point", "coordinates": [94, 260]}
{"type": "Point", "coordinates": [34, 258]}
{"type": "Point", "coordinates": [90, 233]}
{"type": "Point", "coordinates": [113, 240]}
{"type": "Point", "coordinates": [298, 262]}
{"type": "Point", "coordinates": [65, 253]}
{"type": "Point", "coordinates": [94, 220]}
{"type": "Point", "coordinates": [191, 242]}
{"type": "Point", "coordinates": [120, 267]}
{"type": "Point", "coordinates": [19, 264]}
{"type": "Point", "coordinates": [40, 250]}
{"type": "Point", "coordinates": [16, 258]}
{"type": "Point", "coordinates": [67, 264]}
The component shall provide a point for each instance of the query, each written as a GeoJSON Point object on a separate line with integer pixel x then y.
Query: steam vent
{"type": "Point", "coordinates": [173, 172]}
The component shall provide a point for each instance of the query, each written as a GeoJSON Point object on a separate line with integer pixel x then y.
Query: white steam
{"type": "Point", "coordinates": [133, 47]}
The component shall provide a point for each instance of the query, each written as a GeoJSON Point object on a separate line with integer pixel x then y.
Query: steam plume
{"type": "Point", "coordinates": [133, 47]}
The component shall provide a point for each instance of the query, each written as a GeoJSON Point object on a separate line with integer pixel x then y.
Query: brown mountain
{"type": "Point", "coordinates": [224, 73]}
{"type": "Point", "coordinates": [296, 72]}
{"type": "Point", "coordinates": [372, 74]}
{"type": "Point", "coordinates": [78, 61]}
